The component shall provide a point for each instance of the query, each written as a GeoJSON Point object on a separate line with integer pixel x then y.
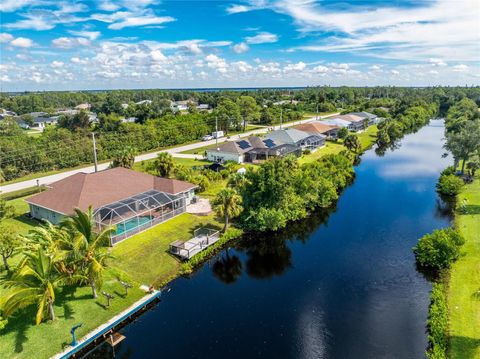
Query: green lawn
{"type": "Point", "coordinates": [329, 148]}
{"type": "Point", "coordinates": [464, 284]}
{"type": "Point", "coordinates": [20, 223]}
{"type": "Point", "coordinates": [21, 338]}
{"type": "Point", "coordinates": [145, 256]}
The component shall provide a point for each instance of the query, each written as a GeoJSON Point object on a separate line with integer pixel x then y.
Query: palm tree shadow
{"type": "Point", "coordinates": [469, 346]}
{"type": "Point", "coordinates": [21, 338]}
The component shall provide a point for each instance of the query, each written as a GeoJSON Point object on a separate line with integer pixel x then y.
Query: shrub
{"type": "Point", "coordinates": [439, 249]}
{"type": "Point", "coordinates": [437, 323]}
{"type": "Point", "coordinates": [449, 185]}
{"type": "Point", "coordinates": [450, 170]}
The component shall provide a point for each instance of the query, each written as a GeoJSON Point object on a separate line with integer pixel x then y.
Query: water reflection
{"type": "Point", "coordinates": [227, 268]}
{"type": "Point", "coordinates": [269, 256]}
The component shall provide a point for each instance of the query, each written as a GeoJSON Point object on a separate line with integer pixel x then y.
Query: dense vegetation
{"type": "Point", "coordinates": [281, 190]}
{"type": "Point", "coordinates": [448, 183]}
{"type": "Point", "coordinates": [70, 143]}
{"type": "Point", "coordinates": [439, 249]}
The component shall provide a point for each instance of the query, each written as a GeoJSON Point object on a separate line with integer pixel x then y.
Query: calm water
{"type": "Point", "coordinates": [342, 285]}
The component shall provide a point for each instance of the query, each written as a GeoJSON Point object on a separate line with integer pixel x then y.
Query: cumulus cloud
{"type": "Point", "coordinates": [91, 35]}
{"type": "Point", "coordinates": [22, 42]}
{"type": "Point", "coordinates": [135, 21]}
{"type": "Point", "coordinates": [299, 66]}
{"type": "Point", "coordinates": [70, 42]}
{"type": "Point", "coordinates": [437, 62]}
{"type": "Point", "coordinates": [240, 48]}
{"type": "Point", "coordinates": [261, 38]}
{"type": "Point", "coordinates": [56, 64]}
{"type": "Point", "coordinates": [77, 60]}
{"type": "Point", "coordinates": [4, 37]}
{"type": "Point", "coordinates": [460, 68]}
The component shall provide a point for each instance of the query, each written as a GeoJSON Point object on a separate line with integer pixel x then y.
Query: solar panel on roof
{"type": "Point", "coordinates": [269, 143]}
{"type": "Point", "coordinates": [243, 144]}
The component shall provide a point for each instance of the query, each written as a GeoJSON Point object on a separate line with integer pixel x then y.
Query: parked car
{"type": "Point", "coordinates": [207, 138]}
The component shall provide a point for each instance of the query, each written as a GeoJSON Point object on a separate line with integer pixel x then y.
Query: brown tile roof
{"type": "Point", "coordinates": [315, 127]}
{"type": "Point", "coordinates": [82, 190]}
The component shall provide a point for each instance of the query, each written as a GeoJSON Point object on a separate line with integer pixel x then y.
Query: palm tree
{"type": "Point", "coordinates": [164, 164]}
{"type": "Point", "coordinates": [352, 143]}
{"type": "Point", "coordinates": [88, 246]}
{"type": "Point", "coordinates": [227, 204]}
{"type": "Point", "coordinates": [35, 283]}
{"type": "Point", "coordinates": [125, 158]}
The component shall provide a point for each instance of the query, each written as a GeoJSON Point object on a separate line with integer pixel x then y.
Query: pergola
{"type": "Point", "coordinates": [137, 213]}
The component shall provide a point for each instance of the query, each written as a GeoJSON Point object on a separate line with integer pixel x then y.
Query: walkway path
{"type": "Point", "coordinates": [175, 151]}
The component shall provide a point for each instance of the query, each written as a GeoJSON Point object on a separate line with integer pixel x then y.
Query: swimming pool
{"type": "Point", "coordinates": [131, 224]}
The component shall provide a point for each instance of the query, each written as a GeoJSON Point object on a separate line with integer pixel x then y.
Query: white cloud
{"type": "Point", "coordinates": [261, 38]}
{"type": "Point", "coordinates": [141, 20]}
{"type": "Point", "coordinates": [22, 42]}
{"type": "Point", "coordinates": [430, 30]}
{"type": "Point", "coordinates": [299, 66]}
{"type": "Point", "coordinates": [4, 37]}
{"type": "Point", "coordinates": [320, 69]}
{"type": "Point", "coordinates": [240, 48]}
{"type": "Point", "coordinates": [158, 56]}
{"type": "Point", "coordinates": [375, 68]}
{"type": "Point", "coordinates": [91, 35]}
{"type": "Point", "coordinates": [217, 63]}
{"type": "Point", "coordinates": [460, 68]}
{"type": "Point", "coordinates": [395, 72]}
{"type": "Point", "coordinates": [108, 6]}
{"type": "Point", "coordinates": [56, 64]}
{"type": "Point", "coordinates": [77, 60]}
{"type": "Point", "coordinates": [12, 5]}
{"type": "Point", "coordinates": [437, 62]}
{"type": "Point", "coordinates": [70, 42]}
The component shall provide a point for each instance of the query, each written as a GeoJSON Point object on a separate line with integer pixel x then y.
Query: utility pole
{"type": "Point", "coordinates": [94, 152]}
{"type": "Point", "coordinates": [216, 132]}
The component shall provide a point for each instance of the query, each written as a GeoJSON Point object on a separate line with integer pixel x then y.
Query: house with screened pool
{"type": "Point", "coordinates": [127, 200]}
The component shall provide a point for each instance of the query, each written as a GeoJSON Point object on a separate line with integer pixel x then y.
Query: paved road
{"type": "Point", "coordinates": [147, 156]}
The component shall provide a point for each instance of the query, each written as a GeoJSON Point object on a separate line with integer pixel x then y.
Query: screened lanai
{"type": "Point", "coordinates": [137, 213]}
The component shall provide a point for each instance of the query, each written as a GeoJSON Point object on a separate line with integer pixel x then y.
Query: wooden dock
{"type": "Point", "coordinates": [106, 331]}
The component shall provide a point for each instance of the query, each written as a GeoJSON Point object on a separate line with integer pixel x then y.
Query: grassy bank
{"type": "Point", "coordinates": [464, 284]}
{"type": "Point", "coordinates": [145, 256]}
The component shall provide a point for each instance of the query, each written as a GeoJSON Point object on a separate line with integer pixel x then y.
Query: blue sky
{"type": "Point", "coordinates": [87, 44]}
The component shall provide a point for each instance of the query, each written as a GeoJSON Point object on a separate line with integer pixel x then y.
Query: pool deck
{"type": "Point", "coordinates": [106, 328]}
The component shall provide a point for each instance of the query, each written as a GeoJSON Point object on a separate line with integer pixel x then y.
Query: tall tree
{"type": "Point", "coordinates": [227, 204]}
{"type": "Point", "coordinates": [163, 164]}
{"type": "Point", "coordinates": [248, 109]}
{"type": "Point", "coordinates": [353, 143]}
{"type": "Point", "coordinates": [125, 157]}
{"type": "Point", "coordinates": [228, 114]}
{"type": "Point", "coordinates": [464, 143]}
{"type": "Point", "coordinates": [89, 245]}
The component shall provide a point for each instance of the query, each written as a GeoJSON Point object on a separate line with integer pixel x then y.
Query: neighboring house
{"type": "Point", "coordinates": [124, 105]}
{"type": "Point", "coordinates": [251, 149]}
{"type": "Point", "coordinates": [83, 106]}
{"type": "Point", "coordinates": [182, 105]}
{"type": "Point", "coordinates": [4, 113]}
{"type": "Point", "coordinates": [356, 122]}
{"type": "Point", "coordinates": [335, 121]}
{"type": "Point", "coordinates": [128, 120]}
{"type": "Point", "coordinates": [298, 138]}
{"type": "Point", "coordinates": [319, 128]}
{"type": "Point", "coordinates": [285, 102]}
{"type": "Point", "coordinates": [372, 119]}
{"type": "Point", "coordinates": [67, 112]}
{"type": "Point", "coordinates": [203, 107]}
{"type": "Point", "coordinates": [40, 120]}
{"type": "Point", "coordinates": [127, 200]}
{"type": "Point", "coordinates": [143, 102]}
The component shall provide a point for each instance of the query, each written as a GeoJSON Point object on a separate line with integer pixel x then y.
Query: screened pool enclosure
{"type": "Point", "coordinates": [137, 213]}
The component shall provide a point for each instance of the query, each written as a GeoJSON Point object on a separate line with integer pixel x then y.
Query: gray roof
{"type": "Point", "coordinates": [247, 144]}
{"type": "Point", "coordinates": [337, 122]}
{"type": "Point", "coordinates": [364, 114]}
{"type": "Point", "coordinates": [289, 135]}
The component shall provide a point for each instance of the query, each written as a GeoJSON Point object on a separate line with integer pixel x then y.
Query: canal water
{"type": "Point", "coordinates": [337, 285]}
